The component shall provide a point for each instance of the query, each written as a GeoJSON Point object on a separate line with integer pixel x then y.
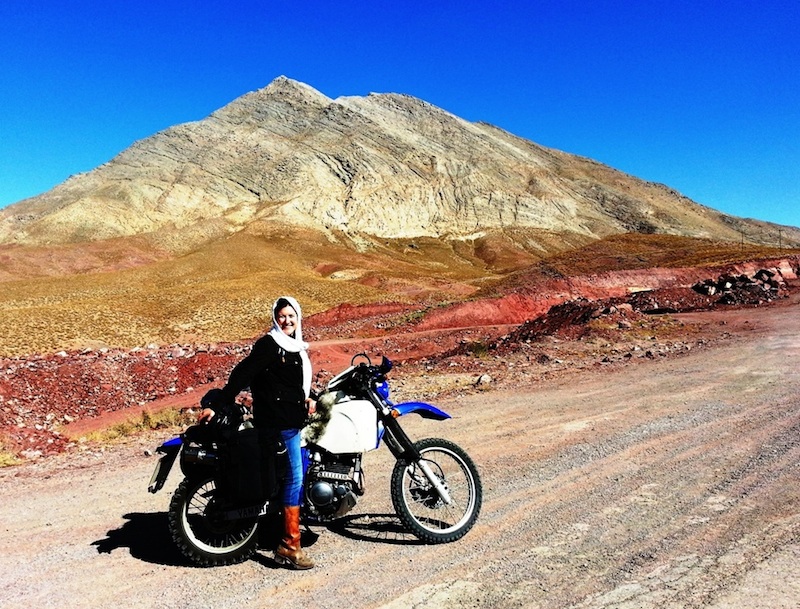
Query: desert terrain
{"type": "Point", "coordinates": [645, 463]}
{"type": "Point", "coordinates": [619, 361]}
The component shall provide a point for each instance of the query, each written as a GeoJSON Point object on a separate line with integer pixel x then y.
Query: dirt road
{"type": "Point", "coordinates": [673, 484]}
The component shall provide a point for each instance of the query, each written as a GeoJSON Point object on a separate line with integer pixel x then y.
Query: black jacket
{"type": "Point", "coordinates": [275, 378]}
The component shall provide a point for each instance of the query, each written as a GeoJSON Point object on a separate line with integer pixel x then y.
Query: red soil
{"type": "Point", "coordinates": [47, 402]}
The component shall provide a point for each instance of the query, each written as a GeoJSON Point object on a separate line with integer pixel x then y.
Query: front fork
{"type": "Point", "coordinates": [403, 449]}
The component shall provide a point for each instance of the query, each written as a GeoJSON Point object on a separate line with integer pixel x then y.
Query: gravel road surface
{"type": "Point", "coordinates": [671, 483]}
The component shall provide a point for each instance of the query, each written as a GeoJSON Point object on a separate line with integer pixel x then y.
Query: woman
{"type": "Point", "coordinates": [278, 372]}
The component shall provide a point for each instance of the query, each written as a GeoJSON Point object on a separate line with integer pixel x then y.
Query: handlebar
{"type": "Point", "coordinates": [358, 356]}
{"type": "Point", "coordinates": [366, 371]}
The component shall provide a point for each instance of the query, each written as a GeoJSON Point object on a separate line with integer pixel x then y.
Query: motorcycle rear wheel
{"type": "Point", "coordinates": [419, 505]}
{"type": "Point", "coordinates": [200, 532]}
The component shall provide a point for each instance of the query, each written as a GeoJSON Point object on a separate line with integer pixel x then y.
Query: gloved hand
{"type": "Point", "coordinates": [215, 404]}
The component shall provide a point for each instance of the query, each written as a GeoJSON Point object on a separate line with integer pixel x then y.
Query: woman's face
{"type": "Point", "coordinates": [287, 320]}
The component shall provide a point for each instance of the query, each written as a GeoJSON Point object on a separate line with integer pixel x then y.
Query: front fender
{"type": "Point", "coordinates": [169, 451]}
{"type": "Point", "coordinates": [426, 411]}
{"type": "Point", "coordinates": [170, 445]}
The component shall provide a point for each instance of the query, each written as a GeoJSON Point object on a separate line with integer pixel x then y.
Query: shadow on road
{"type": "Point", "coordinates": [382, 528]}
{"type": "Point", "coordinates": [147, 537]}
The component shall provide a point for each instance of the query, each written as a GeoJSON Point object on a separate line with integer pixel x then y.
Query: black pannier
{"type": "Point", "coordinates": [240, 469]}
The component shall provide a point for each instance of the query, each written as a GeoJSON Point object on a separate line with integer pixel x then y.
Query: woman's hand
{"type": "Point", "coordinates": [205, 415]}
{"type": "Point", "coordinates": [311, 406]}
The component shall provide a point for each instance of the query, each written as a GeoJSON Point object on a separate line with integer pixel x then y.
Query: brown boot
{"type": "Point", "coordinates": [289, 552]}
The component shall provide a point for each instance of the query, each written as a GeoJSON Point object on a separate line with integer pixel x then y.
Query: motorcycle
{"type": "Point", "coordinates": [215, 511]}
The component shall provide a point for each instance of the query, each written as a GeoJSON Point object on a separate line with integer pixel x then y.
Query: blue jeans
{"type": "Point", "coordinates": [293, 485]}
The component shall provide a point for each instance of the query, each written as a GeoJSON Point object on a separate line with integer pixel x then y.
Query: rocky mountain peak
{"type": "Point", "coordinates": [258, 107]}
{"type": "Point", "coordinates": [384, 166]}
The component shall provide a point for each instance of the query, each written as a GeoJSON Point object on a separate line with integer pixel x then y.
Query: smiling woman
{"type": "Point", "coordinates": [278, 373]}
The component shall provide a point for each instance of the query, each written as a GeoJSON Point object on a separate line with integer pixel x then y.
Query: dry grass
{"type": "Point", "coordinates": [169, 418]}
{"type": "Point", "coordinates": [635, 251]}
{"type": "Point", "coordinates": [219, 293]}
{"type": "Point", "coordinates": [7, 457]}
{"type": "Point", "coordinates": [224, 291]}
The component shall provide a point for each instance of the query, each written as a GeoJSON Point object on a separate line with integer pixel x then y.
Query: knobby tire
{"type": "Point", "coordinates": [418, 504]}
{"type": "Point", "coordinates": [200, 535]}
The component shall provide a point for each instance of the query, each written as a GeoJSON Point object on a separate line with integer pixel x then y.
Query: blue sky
{"type": "Point", "coordinates": [703, 96]}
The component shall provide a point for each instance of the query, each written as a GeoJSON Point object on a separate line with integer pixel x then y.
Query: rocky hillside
{"type": "Point", "coordinates": [384, 166]}
{"type": "Point", "coordinates": [189, 235]}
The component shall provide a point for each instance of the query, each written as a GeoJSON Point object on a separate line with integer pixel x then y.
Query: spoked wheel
{"type": "Point", "coordinates": [200, 531]}
{"type": "Point", "coordinates": [421, 506]}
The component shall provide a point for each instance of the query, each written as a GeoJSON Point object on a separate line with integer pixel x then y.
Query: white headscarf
{"type": "Point", "coordinates": [293, 344]}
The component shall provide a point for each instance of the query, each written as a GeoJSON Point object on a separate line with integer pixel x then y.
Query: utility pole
{"type": "Point", "coordinates": [780, 240]}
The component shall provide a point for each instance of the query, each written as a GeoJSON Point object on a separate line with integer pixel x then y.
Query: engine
{"type": "Point", "coordinates": [333, 484]}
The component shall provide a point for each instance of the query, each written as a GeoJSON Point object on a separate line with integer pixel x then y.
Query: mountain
{"type": "Point", "coordinates": [358, 169]}
{"type": "Point", "coordinates": [384, 201]}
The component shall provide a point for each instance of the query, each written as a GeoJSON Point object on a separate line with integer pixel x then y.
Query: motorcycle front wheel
{"type": "Point", "coordinates": [420, 506]}
{"type": "Point", "coordinates": [201, 533]}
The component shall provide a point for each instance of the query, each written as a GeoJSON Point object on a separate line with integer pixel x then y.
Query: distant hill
{"type": "Point", "coordinates": [358, 169]}
{"type": "Point", "coordinates": [189, 235]}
